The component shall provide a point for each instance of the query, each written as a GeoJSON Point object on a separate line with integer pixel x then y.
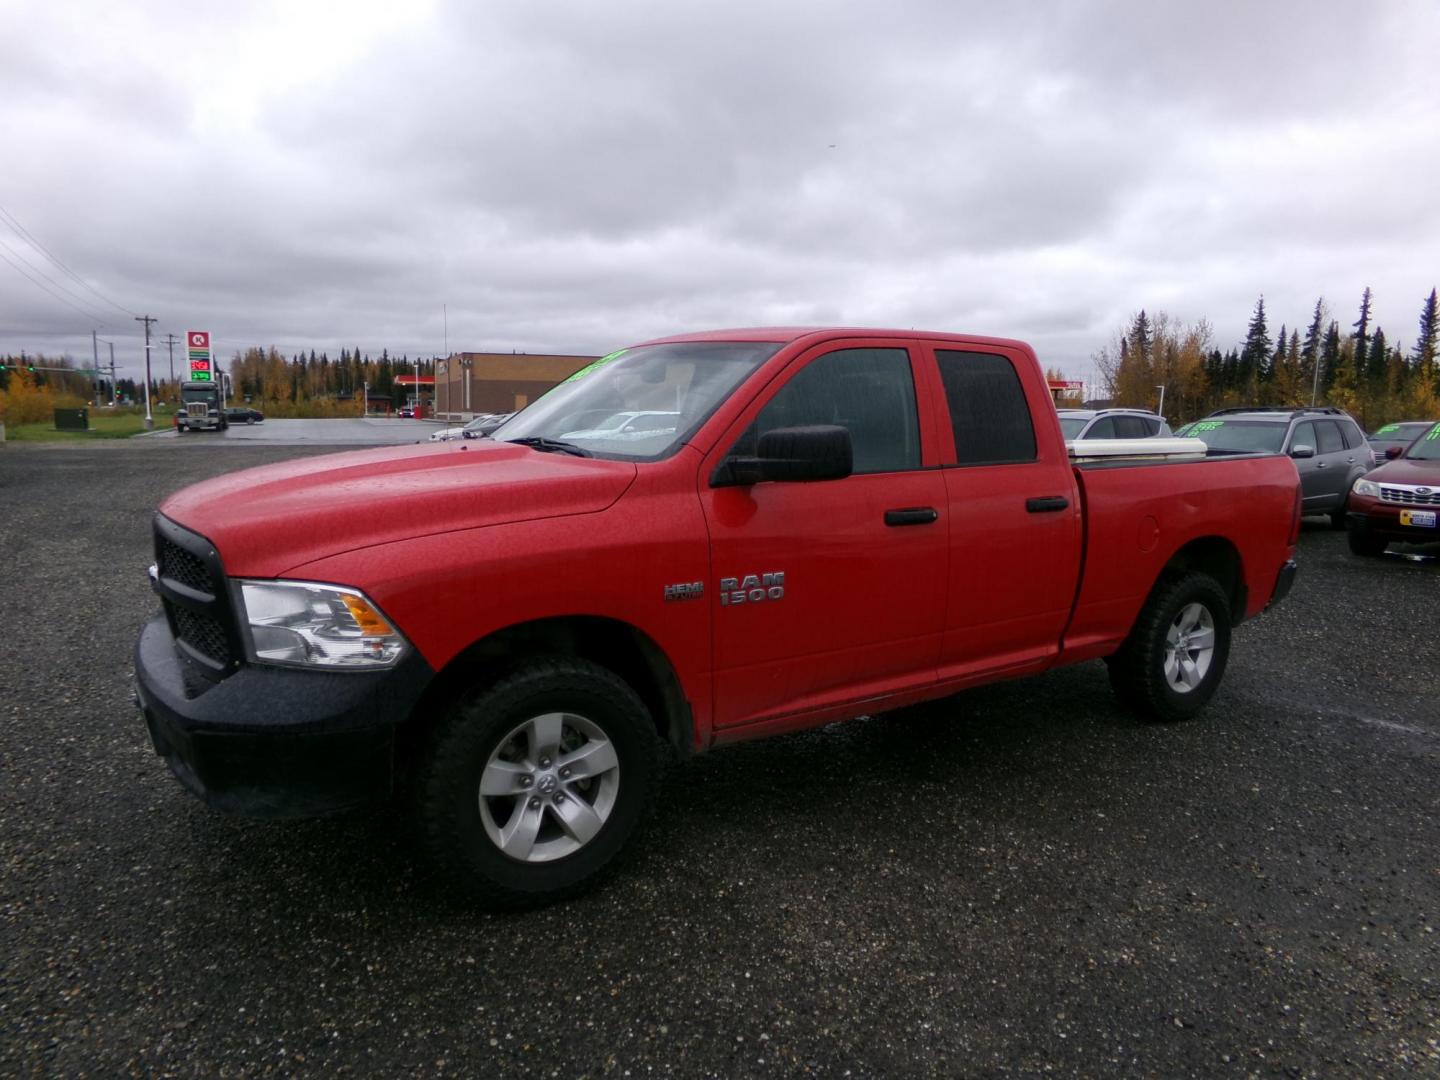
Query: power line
{"type": "Point", "coordinates": [22, 268]}
{"type": "Point", "coordinates": [14, 224]}
{"type": "Point", "coordinates": [84, 300]}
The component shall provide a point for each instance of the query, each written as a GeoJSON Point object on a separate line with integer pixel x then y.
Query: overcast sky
{"type": "Point", "coordinates": [574, 176]}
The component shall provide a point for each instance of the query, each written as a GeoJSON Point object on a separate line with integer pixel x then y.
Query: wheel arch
{"type": "Point", "coordinates": [618, 646]}
{"type": "Point", "coordinates": [1220, 559]}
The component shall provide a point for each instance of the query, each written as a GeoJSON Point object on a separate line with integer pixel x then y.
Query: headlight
{"type": "Point", "coordinates": [309, 625]}
{"type": "Point", "coordinates": [1366, 487]}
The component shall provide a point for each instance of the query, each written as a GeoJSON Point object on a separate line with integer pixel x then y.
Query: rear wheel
{"type": "Point", "coordinates": [1175, 656]}
{"type": "Point", "coordinates": [1362, 543]}
{"type": "Point", "coordinates": [535, 782]}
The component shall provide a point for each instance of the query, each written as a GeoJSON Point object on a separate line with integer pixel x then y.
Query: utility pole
{"type": "Point", "coordinates": [170, 340]}
{"type": "Point", "coordinates": [95, 354]}
{"type": "Point", "coordinates": [147, 320]}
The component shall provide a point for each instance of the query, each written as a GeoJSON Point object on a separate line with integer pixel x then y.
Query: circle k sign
{"type": "Point", "coordinates": [199, 339]}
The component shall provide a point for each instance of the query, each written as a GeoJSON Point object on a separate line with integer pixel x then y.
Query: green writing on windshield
{"type": "Point", "coordinates": [588, 368]}
{"type": "Point", "coordinates": [1206, 425]}
{"type": "Point", "coordinates": [1434, 434]}
{"type": "Point", "coordinates": [1388, 427]}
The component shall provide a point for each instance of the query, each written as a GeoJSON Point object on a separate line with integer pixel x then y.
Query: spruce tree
{"type": "Point", "coordinates": [1255, 355]}
{"type": "Point", "coordinates": [1423, 355]}
{"type": "Point", "coordinates": [1362, 335]}
{"type": "Point", "coordinates": [1329, 357]}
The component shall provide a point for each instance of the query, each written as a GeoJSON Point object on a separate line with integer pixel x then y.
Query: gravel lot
{"type": "Point", "coordinates": [1016, 881]}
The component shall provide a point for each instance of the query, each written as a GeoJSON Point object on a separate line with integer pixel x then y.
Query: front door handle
{"type": "Point", "coordinates": [915, 515]}
{"type": "Point", "coordinates": [1046, 504]}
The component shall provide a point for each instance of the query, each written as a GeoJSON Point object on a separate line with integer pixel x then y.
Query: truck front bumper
{"type": "Point", "coordinates": [272, 741]}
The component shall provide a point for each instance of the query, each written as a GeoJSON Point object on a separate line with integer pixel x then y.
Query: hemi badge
{"type": "Point", "coordinates": [692, 590]}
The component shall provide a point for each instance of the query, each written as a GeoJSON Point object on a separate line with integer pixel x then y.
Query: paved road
{"type": "Point", "coordinates": [1015, 882]}
{"type": "Point", "coordinates": [355, 431]}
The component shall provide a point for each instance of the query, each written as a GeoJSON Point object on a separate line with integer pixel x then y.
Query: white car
{"type": "Point", "coordinates": [628, 427]}
{"type": "Point", "coordinates": [449, 433]}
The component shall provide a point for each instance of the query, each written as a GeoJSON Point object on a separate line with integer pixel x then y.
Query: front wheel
{"type": "Point", "coordinates": [534, 782]}
{"type": "Point", "coordinates": [1175, 656]}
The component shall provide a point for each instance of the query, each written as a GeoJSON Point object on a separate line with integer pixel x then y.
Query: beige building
{"type": "Point", "coordinates": [468, 383]}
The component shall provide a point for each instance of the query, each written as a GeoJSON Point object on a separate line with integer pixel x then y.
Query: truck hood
{"type": "Point", "coordinates": [265, 521]}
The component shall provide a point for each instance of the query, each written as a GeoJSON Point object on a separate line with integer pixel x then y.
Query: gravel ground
{"type": "Point", "coordinates": [1017, 881]}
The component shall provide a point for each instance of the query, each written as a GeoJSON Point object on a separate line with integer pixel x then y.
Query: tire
{"type": "Point", "coordinates": [1337, 516]}
{"type": "Point", "coordinates": [547, 831]}
{"type": "Point", "coordinates": [249, 421]}
{"type": "Point", "coordinates": [1362, 543]}
{"type": "Point", "coordinates": [1175, 656]}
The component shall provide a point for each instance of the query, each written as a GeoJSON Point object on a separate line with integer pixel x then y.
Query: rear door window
{"type": "Point", "coordinates": [1329, 434]}
{"type": "Point", "coordinates": [1132, 427]}
{"type": "Point", "coordinates": [988, 410]}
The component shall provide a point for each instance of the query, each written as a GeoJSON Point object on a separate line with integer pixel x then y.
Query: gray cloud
{"type": "Point", "coordinates": [571, 176]}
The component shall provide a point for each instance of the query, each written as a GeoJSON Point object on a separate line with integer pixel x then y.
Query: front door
{"type": "Point", "coordinates": [1316, 472]}
{"type": "Point", "coordinates": [830, 591]}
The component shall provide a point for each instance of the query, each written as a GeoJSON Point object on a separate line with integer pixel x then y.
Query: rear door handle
{"type": "Point", "coordinates": [1046, 504]}
{"type": "Point", "coordinates": [915, 515]}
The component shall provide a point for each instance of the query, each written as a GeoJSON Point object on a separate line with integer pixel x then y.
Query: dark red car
{"type": "Point", "coordinates": [1399, 501]}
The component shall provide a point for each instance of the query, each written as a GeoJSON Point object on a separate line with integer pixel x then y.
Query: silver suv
{"type": "Point", "coordinates": [1111, 424]}
{"type": "Point", "coordinates": [1329, 449]}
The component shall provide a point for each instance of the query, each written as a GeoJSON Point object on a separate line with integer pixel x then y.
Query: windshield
{"type": "Point", "coordinates": [1237, 434]}
{"type": "Point", "coordinates": [1427, 447]}
{"type": "Point", "coordinates": [640, 403]}
{"type": "Point", "coordinates": [1071, 426]}
{"type": "Point", "coordinates": [1401, 433]}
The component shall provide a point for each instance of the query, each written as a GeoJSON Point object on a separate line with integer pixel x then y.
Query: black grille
{"type": "Point", "coordinates": [191, 582]}
{"type": "Point", "coordinates": [202, 633]}
{"type": "Point", "coordinates": [181, 566]}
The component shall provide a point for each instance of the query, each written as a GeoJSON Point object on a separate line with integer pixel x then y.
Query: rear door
{"type": "Point", "coordinates": [1015, 521]}
{"type": "Point", "coordinates": [830, 591]}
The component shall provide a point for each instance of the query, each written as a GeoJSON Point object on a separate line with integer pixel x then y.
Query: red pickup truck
{"type": "Point", "coordinates": [699, 540]}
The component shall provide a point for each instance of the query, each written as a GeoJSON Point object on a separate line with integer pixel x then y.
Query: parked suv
{"type": "Point", "coordinates": [1111, 424]}
{"type": "Point", "coordinates": [1329, 449]}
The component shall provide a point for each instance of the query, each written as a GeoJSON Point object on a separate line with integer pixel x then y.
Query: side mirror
{"type": "Point", "coordinates": [797, 454]}
{"type": "Point", "coordinates": [1394, 452]}
{"type": "Point", "coordinates": [1302, 451]}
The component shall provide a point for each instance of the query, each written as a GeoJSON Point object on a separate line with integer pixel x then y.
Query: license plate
{"type": "Point", "coordinates": [1425, 519]}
